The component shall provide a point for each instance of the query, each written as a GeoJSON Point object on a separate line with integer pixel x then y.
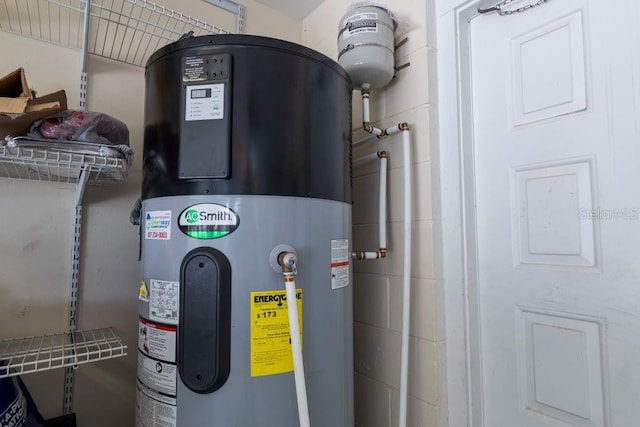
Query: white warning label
{"type": "Point", "coordinates": [204, 102]}
{"type": "Point", "coordinates": [157, 225]}
{"type": "Point", "coordinates": [158, 376]}
{"type": "Point", "coordinates": [164, 301]}
{"type": "Point", "coordinates": [360, 23]}
{"type": "Point", "coordinates": [339, 263]}
{"type": "Point", "coordinates": [154, 409]}
{"type": "Point", "coordinates": [157, 341]}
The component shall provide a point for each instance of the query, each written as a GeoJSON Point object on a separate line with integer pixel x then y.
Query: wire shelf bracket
{"type": "Point", "coordinates": [69, 374]}
{"type": "Point", "coordinates": [233, 7]}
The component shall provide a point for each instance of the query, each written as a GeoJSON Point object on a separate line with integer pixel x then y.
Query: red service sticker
{"type": "Point", "coordinates": [157, 225]}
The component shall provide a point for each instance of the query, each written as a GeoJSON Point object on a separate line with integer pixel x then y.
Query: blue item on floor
{"type": "Point", "coordinates": [17, 408]}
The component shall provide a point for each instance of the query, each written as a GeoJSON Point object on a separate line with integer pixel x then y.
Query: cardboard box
{"type": "Point", "coordinates": [35, 109]}
{"type": "Point", "coordinates": [14, 92]}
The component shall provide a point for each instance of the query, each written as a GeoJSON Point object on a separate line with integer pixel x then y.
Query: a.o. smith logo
{"type": "Point", "coordinates": [208, 221]}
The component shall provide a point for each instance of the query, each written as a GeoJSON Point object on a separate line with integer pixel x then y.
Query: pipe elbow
{"type": "Point", "coordinates": [288, 261]}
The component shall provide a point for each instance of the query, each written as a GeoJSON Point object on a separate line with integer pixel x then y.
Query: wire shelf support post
{"type": "Point", "coordinates": [85, 55]}
{"type": "Point", "coordinates": [69, 372]}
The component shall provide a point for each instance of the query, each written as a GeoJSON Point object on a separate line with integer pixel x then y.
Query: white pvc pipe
{"type": "Point", "coordinates": [406, 280]}
{"type": "Point", "coordinates": [382, 216]}
{"type": "Point", "coordinates": [393, 130]}
{"type": "Point", "coordinates": [382, 199]}
{"type": "Point", "coordinates": [406, 268]}
{"type": "Point", "coordinates": [296, 349]}
{"type": "Point", "coordinates": [365, 108]}
{"type": "Point", "coordinates": [368, 255]}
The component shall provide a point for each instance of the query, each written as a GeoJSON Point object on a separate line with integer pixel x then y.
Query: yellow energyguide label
{"type": "Point", "coordinates": [270, 344]}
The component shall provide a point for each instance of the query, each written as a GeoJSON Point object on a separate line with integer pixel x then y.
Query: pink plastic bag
{"type": "Point", "coordinates": [82, 126]}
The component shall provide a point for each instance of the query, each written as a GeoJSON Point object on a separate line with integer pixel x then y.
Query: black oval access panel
{"type": "Point", "coordinates": [205, 320]}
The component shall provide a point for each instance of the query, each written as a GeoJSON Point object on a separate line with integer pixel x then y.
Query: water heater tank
{"type": "Point", "coordinates": [247, 153]}
{"type": "Point", "coordinates": [366, 45]}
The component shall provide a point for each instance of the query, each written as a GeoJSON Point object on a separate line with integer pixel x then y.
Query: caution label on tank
{"type": "Point", "coordinates": [157, 341]}
{"type": "Point", "coordinates": [156, 375]}
{"type": "Point", "coordinates": [339, 263]}
{"type": "Point", "coordinates": [143, 292]}
{"type": "Point", "coordinates": [194, 69]}
{"type": "Point", "coordinates": [154, 409]}
{"type": "Point", "coordinates": [270, 343]}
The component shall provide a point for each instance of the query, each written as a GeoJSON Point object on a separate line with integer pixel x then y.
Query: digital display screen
{"type": "Point", "coordinates": [200, 93]}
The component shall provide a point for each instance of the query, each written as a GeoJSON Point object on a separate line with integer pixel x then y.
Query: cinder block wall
{"type": "Point", "coordinates": [378, 284]}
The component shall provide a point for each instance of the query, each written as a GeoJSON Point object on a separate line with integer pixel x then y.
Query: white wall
{"type": "Point", "coordinates": [36, 225]}
{"type": "Point", "coordinates": [378, 292]}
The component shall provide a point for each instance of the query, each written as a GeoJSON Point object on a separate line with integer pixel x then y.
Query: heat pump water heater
{"type": "Point", "coordinates": [246, 155]}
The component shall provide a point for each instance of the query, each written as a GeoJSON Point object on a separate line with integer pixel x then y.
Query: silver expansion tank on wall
{"type": "Point", "coordinates": [366, 45]}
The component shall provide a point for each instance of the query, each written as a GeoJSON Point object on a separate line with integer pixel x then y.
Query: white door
{"type": "Point", "coordinates": [556, 140]}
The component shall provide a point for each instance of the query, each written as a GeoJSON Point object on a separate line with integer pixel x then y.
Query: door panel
{"type": "Point", "coordinates": [554, 54]}
{"type": "Point", "coordinates": [556, 141]}
{"type": "Point", "coordinates": [546, 198]}
{"type": "Point", "coordinates": [560, 366]}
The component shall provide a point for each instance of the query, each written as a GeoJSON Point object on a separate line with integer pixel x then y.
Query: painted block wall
{"type": "Point", "coordinates": [36, 224]}
{"type": "Point", "coordinates": [378, 284]}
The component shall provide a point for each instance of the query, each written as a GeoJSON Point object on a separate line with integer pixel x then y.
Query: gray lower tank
{"type": "Point", "coordinates": [311, 227]}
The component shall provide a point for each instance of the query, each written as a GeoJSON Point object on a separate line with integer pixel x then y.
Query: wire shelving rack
{"type": "Point", "coordinates": [26, 355]}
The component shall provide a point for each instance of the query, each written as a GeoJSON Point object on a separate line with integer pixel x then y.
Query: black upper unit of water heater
{"type": "Point", "coordinates": [237, 114]}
